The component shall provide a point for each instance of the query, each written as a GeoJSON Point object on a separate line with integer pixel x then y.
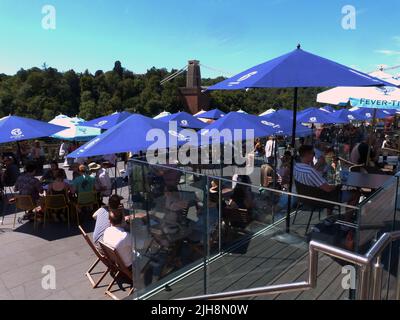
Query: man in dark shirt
{"type": "Point", "coordinates": [28, 185]}
{"type": "Point", "coordinates": [11, 172]}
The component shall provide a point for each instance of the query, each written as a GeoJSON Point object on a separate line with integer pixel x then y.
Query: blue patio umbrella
{"type": "Point", "coordinates": [107, 122]}
{"type": "Point", "coordinates": [365, 114]}
{"type": "Point", "coordinates": [134, 134]}
{"type": "Point", "coordinates": [328, 109]}
{"type": "Point", "coordinates": [234, 121]}
{"type": "Point", "coordinates": [184, 120]}
{"type": "Point", "coordinates": [14, 129]}
{"type": "Point", "coordinates": [293, 70]}
{"type": "Point", "coordinates": [314, 115]}
{"type": "Point", "coordinates": [281, 122]}
{"type": "Point", "coordinates": [344, 115]}
{"type": "Point", "coordinates": [214, 114]}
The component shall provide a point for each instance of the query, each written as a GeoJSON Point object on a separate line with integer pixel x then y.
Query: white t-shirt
{"type": "Point", "coordinates": [120, 240]}
{"type": "Point", "coordinates": [269, 148]}
{"type": "Point", "coordinates": [104, 182]}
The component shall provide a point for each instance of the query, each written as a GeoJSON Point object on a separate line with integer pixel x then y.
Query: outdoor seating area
{"type": "Point", "coordinates": [233, 197]}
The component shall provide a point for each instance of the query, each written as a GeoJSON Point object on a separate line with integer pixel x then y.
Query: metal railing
{"type": "Point", "coordinates": [371, 272]}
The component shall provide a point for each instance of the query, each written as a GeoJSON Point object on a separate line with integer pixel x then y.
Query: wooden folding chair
{"type": "Point", "coordinates": [113, 256]}
{"type": "Point", "coordinates": [100, 257]}
{"type": "Point", "coordinates": [55, 203]}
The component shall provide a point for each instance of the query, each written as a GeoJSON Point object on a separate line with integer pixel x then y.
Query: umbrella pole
{"type": "Point", "coordinates": [115, 176]}
{"type": "Point", "coordinates": [312, 133]}
{"type": "Point", "coordinates": [369, 138]}
{"type": "Point", "coordinates": [19, 154]}
{"type": "Point", "coordinates": [289, 207]}
{"type": "Point", "coordinates": [274, 177]}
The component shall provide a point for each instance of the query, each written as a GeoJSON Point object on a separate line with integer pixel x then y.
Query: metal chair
{"type": "Point", "coordinates": [55, 203]}
{"type": "Point", "coordinates": [313, 205]}
{"type": "Point", "coordinates": [25, 203]}
{"type": "Point", "coordinates": [100, 257]}
{"type": "Point", "coordinates": [85, 200]}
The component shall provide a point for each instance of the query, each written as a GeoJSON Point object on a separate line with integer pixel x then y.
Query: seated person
{"type": "Point", "coordinates": [359, 153]}
{"type": "Point", "coordinates": [174, 205]}
{"type": "Point", "coordinates": [102, 218]}
{"type": "Point", "coordinates": [28, 185]}
{"type": "Point", "coordinates": [271, 180]}
{"type": "Point", "coordinates": [75, 170]}
{"type": "Point", "coordinates": [11, 172]}
{"type": "Point", "coordinates": [117, 238]}
{"type": "Point", "coordinates": [258, 148]}
{"type": "Point", "coordinates": [59, 186]}
{"type": "Point", "coordinates": [284, 170]}
{"type": "Point", "coordinates": [50, 174]}
{"type": "Point", "coordinates": [84, 182]}
{"type": "Point", "coordinates": [102, 179]}
{"type": "Point", "coordinates": [269, 177]}
{"type": "Point", "coordinates": [212, 211]}
{"type": "Point", "coordinates": [242, 197]}
{"type": "Point", "coordinates": [305, 174]}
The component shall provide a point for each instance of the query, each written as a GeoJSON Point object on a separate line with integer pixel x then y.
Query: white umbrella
{"type": "Point", "coordinates": [269, 111]}
{"type": "Point", "coordinates": [385, 76]}
{"type": "Point", "coordinates": [162, 115]}
{"type": "Point", "coordinates": [75, 131]}
{"type": "Point", "coordinates": [370, 97]}
{"type": "Point", "coordinates": [242, 111]}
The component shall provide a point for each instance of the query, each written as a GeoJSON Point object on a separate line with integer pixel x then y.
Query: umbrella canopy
{"type": "Point", "coordinates": [380, 74]}
{"type": "Point", "coordinates": [199, 113]}
{"type": "Point", "coordinates": [214, 114]}
{"type": "Point", "coordinates": [184, 120]}
{"type": "Point", "coordinates": [315, 115]}
{"type": "Point", "coordinates": [298, 69]}
{"type": "Point", "coordinates": [241, 111]}
{"type": "Point", "coordinates": [162, 114]}
{"type": "Point", "coordinates": [344, 115]}
{"type": "Point", "coordinates": [129, 136]}
{"type": "Point", "coordinates": [13, 128]}
{"type": "Point", "coordinates": [75, 129]}
{"type": "Point", "coordinates": [365, 114]}
{"type": "Point", "coordinates": [279, 115]}
{"type": "Point", "coordinates": [107, 122]}
{"type": "Point", "coordinates": [267, 112]}
{"type": "Point", "coordinates": [365, 97]}
{"type": "Point", "coordinates": [236, 121]}
{"type": "Point", "coordinates": [279, 121]}
{"type": "Point", "coordinates": [327, 109]}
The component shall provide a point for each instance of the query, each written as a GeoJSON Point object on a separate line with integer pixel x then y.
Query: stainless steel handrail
{"type": "Point", "coordinates": [369, 262]}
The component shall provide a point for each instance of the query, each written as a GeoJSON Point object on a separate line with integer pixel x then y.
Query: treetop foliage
{"type": "Point", "coordinates": [43, 93]}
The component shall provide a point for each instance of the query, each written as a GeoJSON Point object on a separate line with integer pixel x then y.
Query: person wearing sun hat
{"type": "Point", "coordinates": [102, 179]}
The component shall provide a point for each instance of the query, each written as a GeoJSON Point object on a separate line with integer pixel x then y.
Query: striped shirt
{"type": "Point", "coordinates": [102, 223]}
{"type": "Point", "coordinates": [307, 175]}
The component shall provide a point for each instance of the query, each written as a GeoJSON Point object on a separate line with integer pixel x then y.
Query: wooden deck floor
{"type": "Point", "coordinates": [264, 260]}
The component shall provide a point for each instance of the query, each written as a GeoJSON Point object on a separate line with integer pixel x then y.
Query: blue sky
{"type": "Point", "coordinates": [229, 35]}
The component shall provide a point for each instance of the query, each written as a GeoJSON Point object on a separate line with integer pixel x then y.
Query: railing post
{"type": "Point", "coordinates": [313, 267]}
{"type": "Point", "coordinates": [365, 275]}
{"type": "Point", "coordinates": [398, 279]}
{"type": "Point", "coordinates": [377, 276]}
